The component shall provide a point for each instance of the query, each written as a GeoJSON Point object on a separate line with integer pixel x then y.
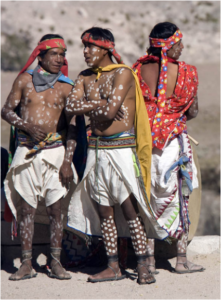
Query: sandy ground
{"type": "Point", "coordinates": [168, 285]}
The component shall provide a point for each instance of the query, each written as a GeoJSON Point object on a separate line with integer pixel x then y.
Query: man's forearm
{"type": "Point", "coordinates": [69, 151]}
{"type": "Point", "coordinates": [12, 118]}
{"type": "Point", "coordinates": [80, 107]}
{"type": "Point", "coordinates": [70, 143]}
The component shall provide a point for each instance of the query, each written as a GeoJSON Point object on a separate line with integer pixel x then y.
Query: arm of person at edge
{"type": "Point", "coordinates": [112, 110]}
{"type": "Point", "coordinates": [66, 175]}
{"type": "Point", "coordinates": [13, 100]}
{"type": "Point", "coordinates": [192, 112]}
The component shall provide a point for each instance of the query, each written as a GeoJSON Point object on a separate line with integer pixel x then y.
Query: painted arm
{"type": "Point", "coordinates": [192, 112]}
{"type": "Point", "coordinates": [66, 173]}
{"type": "Point", "coordinates": [77, 104]}
{"type": "Point", "coordinates": [8, 111]}
{"type": "Point", "coordinates": [112, 110]}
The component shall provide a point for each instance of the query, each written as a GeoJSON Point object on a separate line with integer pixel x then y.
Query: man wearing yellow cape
{"type": "Point", "coordinates": [113, 197]}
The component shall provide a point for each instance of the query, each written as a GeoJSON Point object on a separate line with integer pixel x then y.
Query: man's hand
{"type": "Point", "coordinates": [120, 115]}
{"type": "Point", "coordinates": [36, 132]}
{"type": "Point", "coordinates": [66, 175]}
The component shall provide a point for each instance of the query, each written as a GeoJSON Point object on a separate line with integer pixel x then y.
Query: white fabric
{"type": "Point", "coordinates": [36, 178]}
{"type": "Point", "coordinates": [107, 188]}
{"type": "Point", "coordinates": [82, 211]}
{"type": "Point", "coordinates": [165, 198]}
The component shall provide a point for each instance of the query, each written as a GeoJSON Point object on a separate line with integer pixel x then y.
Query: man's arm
{"type": "Point", "coordinates": [13, 100]}
{"type": "Point", "coordinates": [66, 172]}
{"type": "Point", "coordinates": [76, 104]}
{"type": "Point", "coordinates": [193, 109]}
{"type": "Point", "coordinates": [123, 80]}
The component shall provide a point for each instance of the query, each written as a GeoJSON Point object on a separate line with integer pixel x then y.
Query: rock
{"type": "Point", "coordinates": [81, 11]}
{"type": "Point", "coordinates": [205, 244]}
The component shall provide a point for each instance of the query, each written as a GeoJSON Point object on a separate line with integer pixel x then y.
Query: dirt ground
{"type": "Point", "coordinates": [168, 285]}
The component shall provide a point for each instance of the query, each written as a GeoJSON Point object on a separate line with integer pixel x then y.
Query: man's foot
{"type": "Point", "coordinates": [24, 272]}
{"type": "Point", "coordinates": [144, 274]}
{"type": "Point", "coordinates": [57, 271]}
{"type": "Point", "coordinates": [150, 262]}
{"type": "Point", "coordinates": [187, 267]}
{"type": "Point", "coordinates": [112, 272]}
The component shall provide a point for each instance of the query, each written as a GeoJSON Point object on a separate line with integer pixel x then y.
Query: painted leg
{"type": "Point", "coordinates": [26, 235]}
{"type": "Point", "coordinates": [184, 266]}
{"type": "Point", "coordinates": [109, 234]}
{"type": "Point", "coordinates": [150, 256]}
{"type": "Point", "coordinates": [139, 240]}
{"type": "Point", "coordinates": [56, 229]}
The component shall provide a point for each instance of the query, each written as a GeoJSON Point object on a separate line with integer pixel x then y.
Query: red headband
{"type": "Point", "coordinates": [46, 45]}
{"type": "Point", "coordinates": [88, 38]}
{"type": "Point", "coordinates": [162, 85]}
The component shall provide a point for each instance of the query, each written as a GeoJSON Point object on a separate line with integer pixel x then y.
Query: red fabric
{"type": "Point", "coordinates": [171, 121]}
{"type": "Point", "coordinates": [106, 44]}
{"type": "Point", "coordinates": [46, 45]}
{"type": "Point", "coordinates": [8, 216]}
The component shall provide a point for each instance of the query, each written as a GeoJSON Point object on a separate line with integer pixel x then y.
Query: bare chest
{"type": "Point", "coordinates": [101, 88]}
{"type": "Point", "coordinates": [49, 99]}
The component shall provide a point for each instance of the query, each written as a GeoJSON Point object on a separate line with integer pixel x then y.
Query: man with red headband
{"type": "Point", "coordinates": [41, 168]}
{"type": "Point", "coordinates": [113, 197]}
{"type": "Point", "coordinates": [169, 88]}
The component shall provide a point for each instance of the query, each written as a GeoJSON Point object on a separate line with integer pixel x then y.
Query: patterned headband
{"type": "Point", "coordinates": [166, 43]}
{"type": "Point", "coordinates": [46, 45]}
{"type": "Point", "coordinates": [106, 44]}
{"type": "Point", "coordinates": [162, 84]}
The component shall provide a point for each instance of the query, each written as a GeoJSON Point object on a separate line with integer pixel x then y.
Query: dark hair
{"type": "Point", "coordinates": [48, 37]}
{"type": "Point", "coordinates": [161, 31]}
{"type": "Point", "coordinates": [98, 33]}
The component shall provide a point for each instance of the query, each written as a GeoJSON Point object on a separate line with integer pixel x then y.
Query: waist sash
{"type": "Point", "coordinates": [52, 140]}
{"type": "Point", "coordinates": [116, 141]}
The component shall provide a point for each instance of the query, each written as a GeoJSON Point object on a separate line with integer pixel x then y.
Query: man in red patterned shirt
{"type": "Point", "coordinates": [169, 88]}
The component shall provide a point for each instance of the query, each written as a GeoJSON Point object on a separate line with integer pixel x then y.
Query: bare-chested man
{"type": "Point", "coordinates": [170, 92]}
{"type": "Point", "coordinates": [41, 168]}
{"type": "Point", "coordinates": [108, 199]}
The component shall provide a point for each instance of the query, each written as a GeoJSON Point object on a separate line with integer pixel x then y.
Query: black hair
{"type": "Point", "coordinates": [48, 37]}
{"type": "Point", "coordinates": [98, 33]}
{"type": "Point", "coordinates": [161, 31]}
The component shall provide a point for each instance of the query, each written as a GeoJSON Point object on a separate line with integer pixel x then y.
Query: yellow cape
{"type": "Point", "coordinates": [141, 126]}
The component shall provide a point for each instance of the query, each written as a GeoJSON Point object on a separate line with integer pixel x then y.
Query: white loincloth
{"type": "Point", "coordinates": [36, 180]}
{"type": "Point", "coordinates": [116, 174]}
{"type": "Point", "coordinates": [165, 198]}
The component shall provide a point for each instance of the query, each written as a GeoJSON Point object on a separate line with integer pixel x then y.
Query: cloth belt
{"type": "Point", "coordinates": [52, 140]}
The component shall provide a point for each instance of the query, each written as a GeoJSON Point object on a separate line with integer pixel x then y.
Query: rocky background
{"type": "Point", "coordinates": [129, 21]}
{"type": "Point", "coordinates": [23, 23]}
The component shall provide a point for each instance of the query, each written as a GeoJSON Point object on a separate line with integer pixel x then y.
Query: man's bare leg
{"type": "Point", "coordinates": [56, 230]}
{"type": "Point", "coordinates": [150, 256]}
{"type": "Point", "coordinates": [109, 234]}
{"type": "Point", "coordinates": [26, 235]}
{"type": "Point", "coordinates": [182, 264]}
{"type": "Point", "coordinates": [139, 240]}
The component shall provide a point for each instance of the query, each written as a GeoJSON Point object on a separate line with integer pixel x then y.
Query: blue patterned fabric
{"type": "Point", "coordinates": [183, 173]}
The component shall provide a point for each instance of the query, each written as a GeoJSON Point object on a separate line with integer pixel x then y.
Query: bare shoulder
{"type": "Point", "coordinates": [124, 74]}
{"type": "Point", "coordinates": [65, 87]}
{"type": "Point", "coordinates": [22, 80]}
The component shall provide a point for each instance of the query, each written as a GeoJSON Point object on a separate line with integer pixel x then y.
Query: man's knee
{"type": "Point", "coordinates": [27, 210]}
{"type": "Point", "coordinates": [129, 207]}
{"type": "Point", "coordinates": [105, 211]}
{"type": "Point", "coordinates": [54, 210]}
